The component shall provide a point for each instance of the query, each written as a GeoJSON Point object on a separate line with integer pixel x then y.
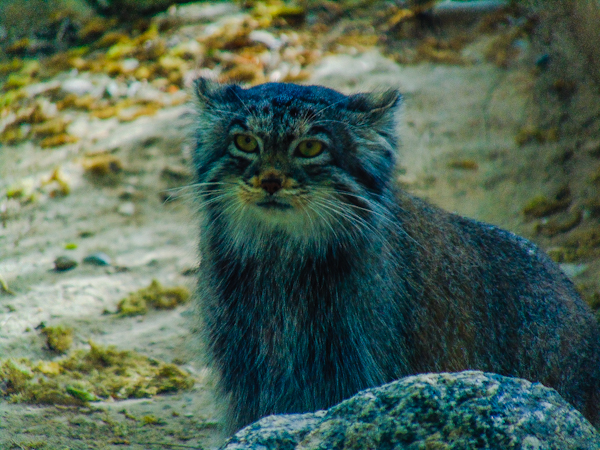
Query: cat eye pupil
{"type": "Point", "coordinates": [246, 143]}
{"type": "Point", "coordinates": [310, 148]}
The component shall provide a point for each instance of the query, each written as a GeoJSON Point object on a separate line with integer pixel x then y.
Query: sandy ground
{"type": "Point", "coordinates": [459, 151]}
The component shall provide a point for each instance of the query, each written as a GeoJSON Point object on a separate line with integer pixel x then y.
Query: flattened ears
{"type": "Point", "coordinates": [378, 107]}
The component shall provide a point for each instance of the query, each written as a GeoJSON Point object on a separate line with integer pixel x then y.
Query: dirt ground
{"type": "Point", "coordinates": [465, 147]}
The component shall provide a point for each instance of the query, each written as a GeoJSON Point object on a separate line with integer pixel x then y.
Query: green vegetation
{"type": "Point", "coordinates": [89, 375]}
{"type": "Point", "coordinates": [155, 296]}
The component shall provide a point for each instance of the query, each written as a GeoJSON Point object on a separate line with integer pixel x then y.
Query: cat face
{"type": "Point", "coordinates": [283, 159]}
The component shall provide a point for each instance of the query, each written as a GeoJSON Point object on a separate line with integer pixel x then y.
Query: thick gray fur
{"type": "Point", "coordinates": [339, 280]}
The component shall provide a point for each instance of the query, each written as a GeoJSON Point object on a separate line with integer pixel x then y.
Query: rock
{"type": "Point", "coordinates": [98, 259]}
{"type": "Point", "coordinates": [126, 209]}
{"type": "Point", "coordinates": [447, 411]}
{"type": "Point", "coordinates": [64, 263]}
{"type": "Point", "coordinates": [266, 38]}
{"type": "Point", "coordinates": [77, 86]}
{"type": "Point", "coordinates": [199, 12]}
{"type": "Point", "coordinates": [131, 8]}
{"type": "Point", "coordinates": [573, 270]}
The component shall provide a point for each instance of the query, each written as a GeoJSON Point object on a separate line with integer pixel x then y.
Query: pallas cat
{"type": "Point", "coordinates": [320, 276]}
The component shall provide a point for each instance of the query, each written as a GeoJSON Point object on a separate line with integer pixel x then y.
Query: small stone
{"type": "Point", "coordinates": [572, 270]}
{"type": "Point", "coordinates": [126, 209]}
{"type": "Point", "coordinates": [77, 86]}
{"type": "Point", "coordinates": [97, 259]}
{"type": "Point", "coordinates": [64, 263]}
{"type": "Point", "coordinates": [266, 38]}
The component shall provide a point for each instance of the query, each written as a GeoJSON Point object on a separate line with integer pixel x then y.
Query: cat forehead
{"type": "Point", "coordinates": [285, 94]}
{"type": "Point", "coordinates": [287, 104]}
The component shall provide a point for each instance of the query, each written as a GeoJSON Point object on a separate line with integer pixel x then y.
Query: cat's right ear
{"type": "Point", "coordinates": [206, 92]}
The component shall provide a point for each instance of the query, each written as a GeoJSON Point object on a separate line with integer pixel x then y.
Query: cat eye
{"type": "Point", "coordinates": [310, 148]}
{"type": "Point", "coordinates": [246, 143]}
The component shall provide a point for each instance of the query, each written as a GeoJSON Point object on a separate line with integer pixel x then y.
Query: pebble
{"type": "Point", "coordinates": [264, 37]}
{"type": "Point", "coordinates": [77, 86]}
{"type": "Point", "coordinates": [63, 263]}
{"type": "Point", "coordinates": [573, 270]}
{"type": "Point", "coordinates": [98, 259]}
{"type": "Point", "coordinates": [39, 88]}
{"type": "Point", "coordinates": [200, 12]}
{"type": "Point", "coordinates": [129, 65]}
{"type": "Point", "coordinates": [126, 208]}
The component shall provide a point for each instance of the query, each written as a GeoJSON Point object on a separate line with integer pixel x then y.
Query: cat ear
{"type": "Point", "coordinates": [209, 93]}
{"type": "Point", "coordinates": [206, 91]}
{"type": "Point", "coordinates": [377, 108]}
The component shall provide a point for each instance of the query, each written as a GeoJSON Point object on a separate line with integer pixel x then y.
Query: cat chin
{"type": "Point", "coordinates": [255, 226]}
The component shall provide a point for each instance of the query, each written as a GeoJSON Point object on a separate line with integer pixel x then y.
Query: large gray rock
{"type": "Point", "coordinates": [447, 411]}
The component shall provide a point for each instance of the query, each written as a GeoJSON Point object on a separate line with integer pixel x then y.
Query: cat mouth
{"type": "Point", "coordinates": [274, 204]}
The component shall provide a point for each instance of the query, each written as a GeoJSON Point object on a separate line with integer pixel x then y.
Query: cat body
{"type": "Point", "coordinates": [320, 277]}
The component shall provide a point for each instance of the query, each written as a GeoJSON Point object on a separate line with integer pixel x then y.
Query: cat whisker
{"type": "Point", "coordinates": [307, 208]}
{"type": "Point", "coordinates": [196, 185]}
{"type": "Point", "coordinates": [325, 108]}
{"type": "Point", "coordinates": [226, 113]}
{"type": "Point", "coordinates": [191, 190]}
{"type": "Point", "coordinates": [204, 202]}
{"type": "Point", "coordinates": [244, 104]}
{"type": "Point", "coordinates": [356, 220]}
{"type": "Point", "coordinates": [324, 219]}
{"type": "Point", "coordinates": [338, 214]}
{"type": "Point", "coordinates": [387, 216]}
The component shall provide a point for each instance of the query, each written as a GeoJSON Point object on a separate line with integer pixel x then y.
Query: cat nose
{"type": "Point", "coordinates": [271, 184]}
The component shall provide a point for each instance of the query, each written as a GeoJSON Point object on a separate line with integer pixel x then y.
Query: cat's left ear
{"type": "Point", "coordinates": [376, 108]}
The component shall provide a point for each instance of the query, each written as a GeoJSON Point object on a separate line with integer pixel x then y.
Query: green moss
{"type": "Point", "coordinates": [32, 445]}
{"type": "Point", "coordinates": [89, 375]}
{"type": "Point", "coordinates": [152, 420]}
{"type": "Point", "coordinates": [12, 66]}
{"type": "Point", "coordinates": [81, 394]}
{"type": "Point", "coordinates": [10, 97]}
{"type": "Point", "coordinates": [542, 206]}
{"type": "Point", "coordinates": [155, 296]}
{"type": "Point", "coordinates": [562, 224]}
{"type": "Point", "coordinates": [16, 81]}
{"type": "Point", "coordinates": [581, 243]}
{"type": "Point", "coordinates": [595, 177]}
{"type": "Point", "coordinates": [58, 338]}
{"type": "Point", "coordinates": [132, 305]}
{"type": "Point", "coordinates": [14, 376]}
{"type": "Point", "coordinates": [591, 294]}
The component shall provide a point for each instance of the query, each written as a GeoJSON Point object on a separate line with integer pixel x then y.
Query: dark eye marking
{"type": "Point", "coordinates": [318, 129]}
{"type": "Point", "coordinates": [238, 122]}
{"type": "Point", "coordinates": [239, 162]}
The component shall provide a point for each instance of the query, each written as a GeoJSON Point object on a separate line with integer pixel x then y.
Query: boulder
{"type": "Point", "coordinates": [466, 410]}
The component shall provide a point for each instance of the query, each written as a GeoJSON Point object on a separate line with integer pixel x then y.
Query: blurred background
{"type": "Point", "coordinates": [97, 228]}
